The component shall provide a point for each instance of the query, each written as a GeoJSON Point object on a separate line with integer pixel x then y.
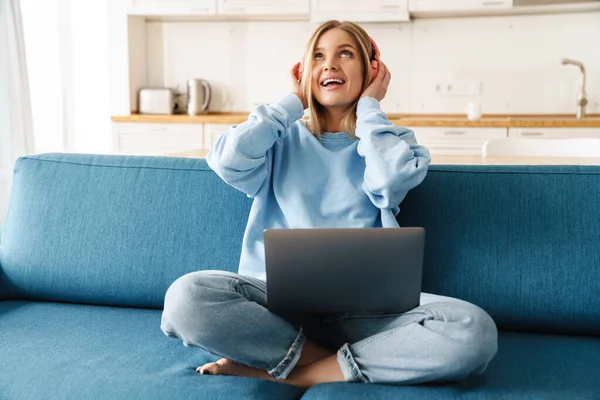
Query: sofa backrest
{"type": "Point", "coordinates": [522, 242]}
{"type": "Point", "coordinates": [115, 230]}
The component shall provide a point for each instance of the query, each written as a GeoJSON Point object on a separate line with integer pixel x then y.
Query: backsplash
{"type": "Point", "coordinates": [508, 64]}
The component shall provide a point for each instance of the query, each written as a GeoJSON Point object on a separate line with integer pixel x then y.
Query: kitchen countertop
{"type": "Point", "coordinates": [410, 120]}
{"type": "Point", "coordinates": [462, 159]}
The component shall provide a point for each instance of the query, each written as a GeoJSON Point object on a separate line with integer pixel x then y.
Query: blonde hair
{"type": "Point", "coordinates": [366, 53]}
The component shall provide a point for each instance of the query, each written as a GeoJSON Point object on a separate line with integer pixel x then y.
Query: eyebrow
{"type": "Point", "coordinates": [339, 47]}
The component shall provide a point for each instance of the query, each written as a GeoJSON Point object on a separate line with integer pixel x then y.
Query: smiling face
{"type": "Point", "coordinates": [337, 72]}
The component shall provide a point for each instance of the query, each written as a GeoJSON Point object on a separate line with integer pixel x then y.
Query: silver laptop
{"type": "Point", "coordinates": [344, 270]}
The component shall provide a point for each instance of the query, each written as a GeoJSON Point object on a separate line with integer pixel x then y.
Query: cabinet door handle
{"type": "Point", "coordinates": [454, 133]}
{"type": "Point", "coordinates": [199, 10]}
{"type": "Point", "coordinates": [492, 3]}
{"type": "Point", "coordinates": [157, 129]}
{"type": "Point", "coordinates": [532, 134]}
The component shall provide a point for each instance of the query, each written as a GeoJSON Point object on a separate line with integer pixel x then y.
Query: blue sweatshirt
{"type": "Point", "coordinates": [299, 181]}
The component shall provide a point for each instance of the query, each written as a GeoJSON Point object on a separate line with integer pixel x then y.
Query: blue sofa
{"type": "Point", "coordinates": [91, 243]}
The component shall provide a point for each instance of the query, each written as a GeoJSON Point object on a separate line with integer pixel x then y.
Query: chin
{"type": "Point", "coordinates": [335, 101]}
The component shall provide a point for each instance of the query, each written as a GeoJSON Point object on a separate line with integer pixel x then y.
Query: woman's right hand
{"type": "Point", "coordinates": [296, 87]}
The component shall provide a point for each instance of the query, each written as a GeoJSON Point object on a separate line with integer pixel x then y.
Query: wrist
{"type": "Point", "coordinates": [366, 104]}
{"type": "Point", "coordinates": [293, 105]}
{"type": "Point", "coordinates": [301, 98]}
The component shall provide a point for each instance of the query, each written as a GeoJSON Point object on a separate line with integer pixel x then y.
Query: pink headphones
{"type": "Point", "coordinates": [375, 56]}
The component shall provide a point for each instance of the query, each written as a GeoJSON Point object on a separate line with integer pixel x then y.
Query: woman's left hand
{"type": "Point", "coordinates": [378, 86]}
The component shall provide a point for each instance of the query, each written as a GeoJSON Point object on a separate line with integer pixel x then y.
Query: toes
{"type": "Point", "coordinates": [208, 369]}
{"type": "Point", "coordinates": [228, 367]}
{"type": "Point", "coordinates": [214, 368]}
{"type": "Point", "coordinates": [224, 361]}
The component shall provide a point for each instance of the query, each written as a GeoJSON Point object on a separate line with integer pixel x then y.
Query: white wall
{"type": "Point", "coordinates": [515, 58]}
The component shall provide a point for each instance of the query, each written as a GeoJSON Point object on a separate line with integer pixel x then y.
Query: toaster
{"type": "Point", "coordinates": [156, 101]}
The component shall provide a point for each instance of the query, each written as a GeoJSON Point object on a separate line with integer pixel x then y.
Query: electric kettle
{"type": "Point", "coordinates": [198, 91]}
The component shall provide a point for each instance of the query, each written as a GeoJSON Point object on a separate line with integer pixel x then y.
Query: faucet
{"type": "Point", "coordinates": [582, 100]}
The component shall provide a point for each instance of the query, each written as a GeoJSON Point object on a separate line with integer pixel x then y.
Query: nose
{"type": "Point", "coordinates": [330, 66]}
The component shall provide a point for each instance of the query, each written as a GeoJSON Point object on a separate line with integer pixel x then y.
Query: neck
{"type": "Point", "coordinates": [333, 118]}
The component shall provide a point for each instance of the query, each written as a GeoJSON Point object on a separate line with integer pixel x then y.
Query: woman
{"type": "Point", "coordinates": [347, 167]}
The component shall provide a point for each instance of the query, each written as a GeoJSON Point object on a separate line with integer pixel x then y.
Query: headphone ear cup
{"type": "Point", "coordinates": [376, 58]}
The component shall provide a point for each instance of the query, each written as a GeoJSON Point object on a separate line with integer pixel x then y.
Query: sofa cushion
{"type": "Point", "coordinates": [116, 230]}
{"type": "Point", "coordinates": [522, 242]}
{"type": "Point", "coordinates": [65, 351]}
{"type": "Point", "coordinates": [527, 366]}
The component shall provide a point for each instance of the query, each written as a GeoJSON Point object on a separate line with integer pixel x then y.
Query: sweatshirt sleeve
{"type": "Point", "coordinates": [240, 155]}
{"type": "Point", "coordinates": [395, 162]}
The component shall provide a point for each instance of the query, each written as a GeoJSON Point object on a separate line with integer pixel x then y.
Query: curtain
{"type": "Point", "coordinates": [16, 132]}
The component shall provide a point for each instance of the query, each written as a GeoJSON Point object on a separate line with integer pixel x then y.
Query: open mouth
{"type": "Point", "coordinates": [333, 82]}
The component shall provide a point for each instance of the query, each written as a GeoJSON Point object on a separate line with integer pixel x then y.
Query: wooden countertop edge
{"type": "Point", "coordinates": [410, 120]}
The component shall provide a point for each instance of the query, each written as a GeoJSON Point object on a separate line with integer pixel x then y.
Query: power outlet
{"type": "Point", "coordinates": [457, 88]}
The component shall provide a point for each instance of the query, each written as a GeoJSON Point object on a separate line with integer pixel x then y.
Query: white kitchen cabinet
{"type": "Point", "coordinates": [456, 140]}
{"type": "Point", "coordinates": [554, 133]}
{"type": "Point", "coordinates": [172, 7]}
{"type": "Point", "coordinates": [136, 138]}
{"type": "Point", "coordinates": [212, 132]}
{"type": "Point", "coordinates": [359, 10]}
{"type": "Point", "coordinates": [263, 7]}
{"type": "Point", "coordinates": [457, 6]}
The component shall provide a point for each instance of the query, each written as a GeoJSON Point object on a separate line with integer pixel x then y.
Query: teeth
{"type": "Point", "coordinates": [328, 81]}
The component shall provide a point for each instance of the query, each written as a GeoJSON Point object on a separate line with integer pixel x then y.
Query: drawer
{"type": "Point", "coordinates": [458, 132]}
{"type": "Point", "coordinates": [144, 127]}
{"type": "Point", "coordinates": [171, 7]}
{"type": "Point", "coordinates": [155, 138]}
{"type": "Point", "coordinates": [554, 133]}
{"type": "Point", "coordinates": [156, 143]}
{"type": "Point", "coordinates": [456, 140]}
{"type": "Point", "coordinates": [458, 5]}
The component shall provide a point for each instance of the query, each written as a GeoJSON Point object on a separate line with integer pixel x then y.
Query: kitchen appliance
{"type": "Point", "coordinates": [198, 91]}
{"type": "Point", "coordinates": [156, 101]}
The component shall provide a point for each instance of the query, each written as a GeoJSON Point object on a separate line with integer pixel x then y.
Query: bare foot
{"type": "Point", "coordinates": [311, 352]}
{"type": "Point", "coordinates": [225, 366]}
{"type": "Point", "coordinates": [324, 370]}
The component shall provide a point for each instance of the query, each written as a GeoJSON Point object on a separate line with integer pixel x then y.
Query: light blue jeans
{"type": "Point", "coordinates": [444, 339]}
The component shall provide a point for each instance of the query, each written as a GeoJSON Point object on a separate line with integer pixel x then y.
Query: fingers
{"type": "Point", "coordinates": [384, 75]}
{"type": "Point", "coordinates": [294, 72]}
{"type": "Point", "coordinates": [388, 76]}
{"type": "Point", "coordinates": [380, 71]}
